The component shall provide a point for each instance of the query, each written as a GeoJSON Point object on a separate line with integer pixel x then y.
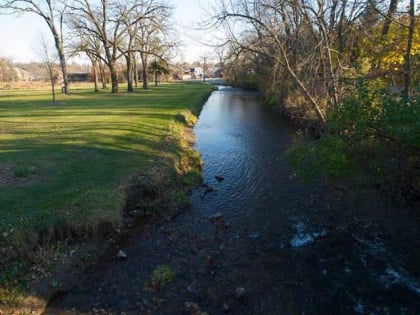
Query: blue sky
{"type": "Point", "coordinates": [18, 35]}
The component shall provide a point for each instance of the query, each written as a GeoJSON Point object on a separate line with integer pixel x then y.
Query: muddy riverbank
{"type": "Point", "coordinates": [344, 264]}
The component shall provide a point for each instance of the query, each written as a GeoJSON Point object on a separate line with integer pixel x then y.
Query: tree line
{"type": "Point", "coordinates": [347, 69]}
{"type": "Point", "coordinates": [316, 49]}
{"type": "Point", "coordinates": [106, 31]}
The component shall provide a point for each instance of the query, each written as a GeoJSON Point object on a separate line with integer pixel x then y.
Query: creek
{"type": "Point", "coordinates": [255, 240]}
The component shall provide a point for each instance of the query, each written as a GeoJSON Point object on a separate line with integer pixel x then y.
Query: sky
{"type": "Point", "coordinates": [19, 35]}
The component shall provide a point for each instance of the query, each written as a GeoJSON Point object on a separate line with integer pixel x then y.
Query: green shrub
{"type": "Point", "coordinates": [372, 139]}
{"type": "Point", "coordinates": [162, 275]}
{"type": "Point", "coordinates": [192, 178]}
{"type": "Point", "coordinates": [180, 199]}
{"type": "Point", "coordinates": [22, 170]}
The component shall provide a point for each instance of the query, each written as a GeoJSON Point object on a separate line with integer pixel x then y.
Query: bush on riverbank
{"type": "Point", "coordinates": [372, 140]}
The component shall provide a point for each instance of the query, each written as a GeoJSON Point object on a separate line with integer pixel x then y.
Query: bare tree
{"type": "Point", "coordinates": [263, 21]}
{"type": "Point", "coordinates": [7, 71]}
{"type": "Point", "coordinates": [100, 20]}
{"type": "Point", "coordinates": [52, 12]}
{"type": "Point", "coordinates": [116, 25]}
{"type": "Point", "coordinates": [295, 43]}
{"type": "Point", "coordinates": [158, 68]}
{"type": "Point", "coordinates": [127, 47]}
{"type": "Point", "coordinates": [48, 62]}
{"type": "Point", "coordinates": [146, 18]}
{"type": "Point", "coordinates": [91, 46]}
{"type": "Point", "coordinates": [95, 69]}
{"type": "Point", "coordinates": [151, 38]}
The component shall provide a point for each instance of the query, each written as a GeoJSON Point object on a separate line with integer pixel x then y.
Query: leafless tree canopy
{"type": "Point", "coordinates": [110, 30]}
{"type": "Point", "coordinates": [310, 48]}
{"type": "Point", "coordinates": [106, 31]}
{"type": "Point", "coordinates": [52, 12]}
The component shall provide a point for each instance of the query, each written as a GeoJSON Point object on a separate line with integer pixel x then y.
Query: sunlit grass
{"type": "Point", "coordinates": [64, 163]}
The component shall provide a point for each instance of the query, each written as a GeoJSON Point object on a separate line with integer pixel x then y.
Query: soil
{"type": "Point", "coordinates": [363, 262]}
{"type": "Point", "coordinates": [6, 174]}
{"type": "Point", "coordinates": [359, 256]}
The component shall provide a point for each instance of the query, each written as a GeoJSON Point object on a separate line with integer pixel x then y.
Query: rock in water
{"type": "Point", "coordinates": [121, 255]}
{"type": "Point", "coordinates": [239, 293]}
{"type": "Point", "coordinates": [219, 178]}
{"type": "Point", "coordinates": [216, 218]}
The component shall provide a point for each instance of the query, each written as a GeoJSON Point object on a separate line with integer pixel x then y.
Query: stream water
{"type": "Point", "coordinates": [254, 241]}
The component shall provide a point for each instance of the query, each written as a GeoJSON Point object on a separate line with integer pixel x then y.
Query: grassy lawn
{"type": "Point", "coordinates": [65, 164]}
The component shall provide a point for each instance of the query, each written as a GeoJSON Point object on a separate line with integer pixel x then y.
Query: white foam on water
{"type": "Point", "coordinates": [392, 276]}
{"type": "Point", "coordinates": [359, 308]}
{"type": "Point", "coordinates": [302, 238]}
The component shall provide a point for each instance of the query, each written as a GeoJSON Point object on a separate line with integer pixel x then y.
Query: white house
{"type": "Point", "coordinates": [193, 73]}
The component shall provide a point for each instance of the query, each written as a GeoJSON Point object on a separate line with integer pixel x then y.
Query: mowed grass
{"type": "Point", "coordinates": [64, 164]}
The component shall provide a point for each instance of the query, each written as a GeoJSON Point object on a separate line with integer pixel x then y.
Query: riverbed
{"type": "Point", "coordinates": [256, 240]}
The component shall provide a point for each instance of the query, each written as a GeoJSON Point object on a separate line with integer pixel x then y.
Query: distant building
{"type": "Point", "coordinates": [23, 75]}
{"type": "Point", "coordinates": [78, 77]}
{"type": "Point", "coordinates": [193, 73]}
{"type": "Point", "coordinates": [214, 72]}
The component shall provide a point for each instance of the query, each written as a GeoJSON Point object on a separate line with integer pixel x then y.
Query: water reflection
{"type": "Point", "coordinates": [245, 141]}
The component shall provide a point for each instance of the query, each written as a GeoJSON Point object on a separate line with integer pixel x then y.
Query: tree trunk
{"type": "Point", "coordinates": [95, 77]}
{"type": "Point", "coordinates": [340, 36]}
{"type": "Point", "coordinates": [135, 73]}
{"type": "Point", "coordinates": [53, 90]}
{"type": "Point", "coordinates": [94, 63]}
{"type": "Point", "coordinates": [47, 11]}
{"type": "Point", "coordinates": [114, 81]}
{"type": "Point", "coordinates": [156, 77]}
{"type": "Point", "coordinates": [114, 76]}
{"type": "Point", "coordinates": [102, 72]}
{"type": "Point", "coordinates": [391, 12]}
{"type": "Point", "coordinates": [128, 58]}
{"type": "Point", "coordinates": [145, 77]}
{"type": "Point", "coordinates": [58, 40]}
{"type": "Point", "coordinates": [328, 62]}
{"type": "Point", "coordinates": [407, 57]}
{"type": "Point", "coordinates": [63, 66]}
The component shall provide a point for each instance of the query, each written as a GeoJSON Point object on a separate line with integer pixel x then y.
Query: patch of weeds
{"type": "Point", "coordinates": [48, 259]}
{"type": "Point", "coordinates": [13, 283]}
{"type": "Point", "coordinates": [192, 159]}
{"type": "Point", "coordinates": [13, 271]}
{"type": "Point", "coordinates": [86, 256]}
{"type": "Point", "coordinates": [193, 178]}
{"type": "Point", "coordinates": [180, 199]}
{"type": "Point", "coordinates": [21, 171]}
{"type": "Point", "coordinates": [11, 296]}
{"type": "Point", "coordinates": [162, 274]}
{"type": "Point", "coordinates": [54, 283]}
{"type": "Point", "coordinates": [187, 118]}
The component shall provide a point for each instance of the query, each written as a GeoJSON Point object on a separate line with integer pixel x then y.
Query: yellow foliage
{"type": "Point", "coordinates": [388, 53]}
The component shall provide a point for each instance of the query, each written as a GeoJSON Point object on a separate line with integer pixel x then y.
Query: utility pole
{"type": "Point", "coordinates": [204, 68]}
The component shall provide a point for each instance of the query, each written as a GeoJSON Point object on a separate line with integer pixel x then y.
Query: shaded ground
{"type": "Point", "coordinates": [6, 174]}
{"type": "Point", "coordinates": [342, 261]}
